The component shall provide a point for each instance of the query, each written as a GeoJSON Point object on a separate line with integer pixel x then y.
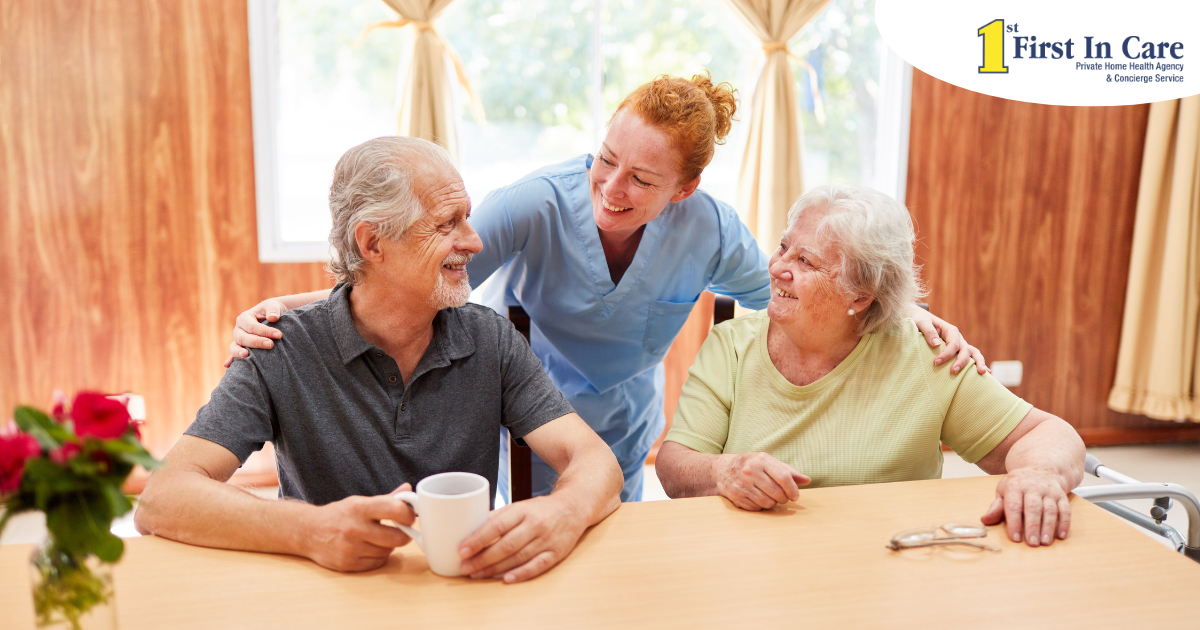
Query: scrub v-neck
{"type": "Point", "coordinates": [641, 231]}
{"type": "Point", "coordinates": [609, 292]}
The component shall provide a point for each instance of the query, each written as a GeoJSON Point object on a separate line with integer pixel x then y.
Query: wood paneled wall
{"type": "Point", "coordinates": [127, 216]}
{"type": "Point", "coordinates": [1025, 220]}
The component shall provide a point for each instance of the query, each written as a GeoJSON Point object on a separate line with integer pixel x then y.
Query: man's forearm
{"type": "Point", "coordinates": [192, 508]}
{"type": "Point", "coordinates": [686, 473]}
{"type": "Point", "coordinates": [592, 484]}
{"type": "Point", "coordinates": [1051, 445]}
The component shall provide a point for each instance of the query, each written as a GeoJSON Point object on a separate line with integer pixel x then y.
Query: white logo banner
{"type": "Point", "coordinates": [1053, 52]}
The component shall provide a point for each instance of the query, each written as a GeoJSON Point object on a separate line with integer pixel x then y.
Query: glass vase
{"type": "Point", "coordinates": [71, 592]}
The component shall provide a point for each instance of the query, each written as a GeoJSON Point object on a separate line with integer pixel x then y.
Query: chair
{"type": "Point", "coordinates": [520, 462]}
{"type": "Point", "coordinates": [723, 309]}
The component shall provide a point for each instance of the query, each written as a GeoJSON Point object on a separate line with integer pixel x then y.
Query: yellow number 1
{"type": "Point", "coordinates": [993, 47]}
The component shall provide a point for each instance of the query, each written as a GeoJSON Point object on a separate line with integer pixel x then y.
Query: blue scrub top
{"type": "Point", "coordinates": [603, 344]}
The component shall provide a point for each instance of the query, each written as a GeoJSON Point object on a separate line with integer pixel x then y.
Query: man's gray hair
{"type": "Point", "coordinates": [874, 237]}
{"type": "Point", "coordinates": [373, 182]}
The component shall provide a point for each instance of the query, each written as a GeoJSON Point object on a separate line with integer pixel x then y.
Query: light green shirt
{"type": "Point", "coordinates": [879, 416]}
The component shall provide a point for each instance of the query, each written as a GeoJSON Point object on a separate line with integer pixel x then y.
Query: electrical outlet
{"type": "Point", "coordinates": [1009, 373]}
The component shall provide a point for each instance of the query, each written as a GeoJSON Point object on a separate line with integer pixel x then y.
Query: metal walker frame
{"type": "Point", "coordinates": [1164, 495]}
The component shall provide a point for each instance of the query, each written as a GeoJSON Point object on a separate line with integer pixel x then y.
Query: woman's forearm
{"type": "Point", "coordinates": [684, 472]}
{"type": "Point", "coordinates": [1052, 445]}
{"type": "Point", "coordinates": [300, 299]}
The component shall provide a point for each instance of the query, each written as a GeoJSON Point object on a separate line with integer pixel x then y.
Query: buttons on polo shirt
{"type": "Point", "coordinates": [402, 405]}
{"type": "Point", "coordinates": [377, 354]}
{"type": "Point", "coordinates": [393, 378]}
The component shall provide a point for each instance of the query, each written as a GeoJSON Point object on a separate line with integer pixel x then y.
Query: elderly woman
{"type": "Point", "coordinates": [833, 385]}
{"type": "Point", "coordinates": [608, 254]}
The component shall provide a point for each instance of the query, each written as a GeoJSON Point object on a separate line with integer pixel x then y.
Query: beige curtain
{"type": "Point", "coordinates": [771, 177]}
{"type": "Point", "coordinates": [427, 105]}
{"type": "Point", "coordinates": [1157, 371]}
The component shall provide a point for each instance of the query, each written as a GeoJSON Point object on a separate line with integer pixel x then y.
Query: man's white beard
{"type": "Point", "coordinates": [448, 294]}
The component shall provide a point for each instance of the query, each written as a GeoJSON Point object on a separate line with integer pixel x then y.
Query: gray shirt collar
{"type": "Point", "coordinates": [451, 341]}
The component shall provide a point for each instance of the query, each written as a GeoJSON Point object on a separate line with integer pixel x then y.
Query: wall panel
{"type": "Point", "coordinates": [1025, 218]}
{"type": "Point", "coordinates": [127, 238]}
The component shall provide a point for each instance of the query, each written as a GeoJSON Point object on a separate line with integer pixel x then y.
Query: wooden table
{"type": "Point", "coordinates": [696, 563]}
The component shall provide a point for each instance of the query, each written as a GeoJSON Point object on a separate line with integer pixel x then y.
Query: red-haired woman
{"type": "Point", "coordinates": [608, 254]}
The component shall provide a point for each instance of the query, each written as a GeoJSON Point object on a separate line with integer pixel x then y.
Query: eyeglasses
{"type": "Point", "coordinates": [928, 537]}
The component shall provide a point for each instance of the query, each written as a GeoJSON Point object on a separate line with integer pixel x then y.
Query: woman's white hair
{"type": "Point", "coordinates": [873, 236]}
{"type": "Point", "coordinates": [373, 182]}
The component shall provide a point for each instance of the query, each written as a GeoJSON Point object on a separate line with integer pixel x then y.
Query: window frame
{"type": "Point", "coordinates": [263, 22]}
{"type": "Point", "coordinates": [892, 129]}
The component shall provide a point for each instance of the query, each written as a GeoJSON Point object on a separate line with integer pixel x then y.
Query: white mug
{"type": "Point", "coordinates": [451, 506]}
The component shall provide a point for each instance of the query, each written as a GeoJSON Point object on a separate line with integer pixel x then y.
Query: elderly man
{"type": "Point", "coordinates": [391, 379]}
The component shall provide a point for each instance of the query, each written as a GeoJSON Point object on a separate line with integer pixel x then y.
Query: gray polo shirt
{"type": "Point", "coordinates": [343, 421]}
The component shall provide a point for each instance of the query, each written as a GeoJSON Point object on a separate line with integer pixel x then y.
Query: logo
{"type": "Point", "coordinates": [1065, 52]}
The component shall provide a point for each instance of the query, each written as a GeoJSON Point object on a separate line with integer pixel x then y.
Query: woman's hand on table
{"type": "Point", "coordinates": [347, 535]}
{"type": "Point", "coordinates": [937, 330]}
{"type": "Point", "coordinates": [522, 540]}
{"type": "Point", "coordinates": [1042, 461]}
{"type": "Point", "coordinates": [250, 332]}
{"type": "Point", "coordinates": [1033, 503]}
{"type": "Point", "coordinates": [757, 481]}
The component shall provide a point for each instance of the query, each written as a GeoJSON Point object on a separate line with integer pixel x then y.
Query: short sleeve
{"type": "Point", "coordinates": [529, 396]}
{"type": "Point", "coordinates": [742, 271]}
{"type": "Point", "coordinates": [702, 418]}
{"type": "Point", "coordinates": [239, 414]}
{"type": "Point", "coordinates": [491, 220]}
{"type": "Point", "coordinates": [980, 414]}
{"type": "Point", "coordinates": [507, 220]}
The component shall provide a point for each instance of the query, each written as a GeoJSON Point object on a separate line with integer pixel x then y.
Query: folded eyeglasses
{"type": "Point", "coordinates": [948, 534]}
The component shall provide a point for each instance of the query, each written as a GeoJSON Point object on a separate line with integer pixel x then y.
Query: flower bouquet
{"type": "Point", "coordinates": [70, 464]}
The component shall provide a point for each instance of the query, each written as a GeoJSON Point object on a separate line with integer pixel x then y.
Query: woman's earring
{"type": "Point", "coordinates": [850, 312]}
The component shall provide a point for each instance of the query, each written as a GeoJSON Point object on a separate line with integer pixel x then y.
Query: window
{"type": "Point", "coordinates": [856, 120]}
{"type": "Point", "coordinates": [548, 75]}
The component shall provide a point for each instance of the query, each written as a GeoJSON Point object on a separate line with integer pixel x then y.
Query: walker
{"type": "Point", "coordinates": [1164, 495]}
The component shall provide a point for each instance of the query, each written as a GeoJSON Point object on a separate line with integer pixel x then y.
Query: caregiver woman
{"type": "Point", "coordinates": [608, 254]}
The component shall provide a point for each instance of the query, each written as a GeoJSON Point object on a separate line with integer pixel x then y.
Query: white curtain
{"type": "Point", "coordinates": [772, 176]}
{"type": "Point", "coordinates": [427, 104]}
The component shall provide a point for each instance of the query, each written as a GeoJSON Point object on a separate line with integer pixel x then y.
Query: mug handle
{"type": "Point", "coordinates": [410, 498]}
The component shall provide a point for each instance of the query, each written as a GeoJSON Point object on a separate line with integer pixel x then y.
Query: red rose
{"type": "Point", "coordinates": [61, 454]}
{"type": "Point", "coordinates": [99, 416]}
{"type": "Point", "coordinates": [14, 450]}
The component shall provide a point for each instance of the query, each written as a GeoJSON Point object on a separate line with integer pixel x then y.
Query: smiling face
{"type": "Point", "coordinates": [634, 176]}
{"type": "Point", "coordinates": [428, 261]}
{"type": "Point", "coordinates": [804, 280]}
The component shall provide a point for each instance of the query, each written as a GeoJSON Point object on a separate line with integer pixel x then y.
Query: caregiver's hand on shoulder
{"type": "Point", "coordinates": [937, 330]}
{"type": "Point", "coordinates": [1033, 502]}
{"type": "Point", "coordinates": [757, 481]}
{"type": "Point", "coordinates": [249, 332]}
{"type": "Point", "coordinates": [522, 540]}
